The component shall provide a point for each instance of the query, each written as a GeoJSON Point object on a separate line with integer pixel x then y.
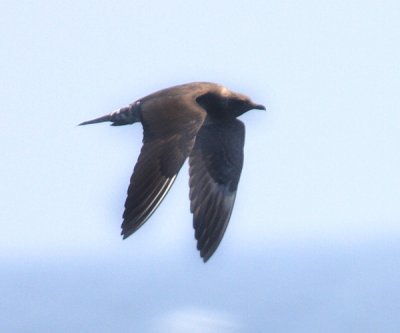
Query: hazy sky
{"type": "Point", "coordinates": [321, 168]}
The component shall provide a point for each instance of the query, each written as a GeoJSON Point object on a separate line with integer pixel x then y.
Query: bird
{"type": "Point", "coordinates": [197, 121]}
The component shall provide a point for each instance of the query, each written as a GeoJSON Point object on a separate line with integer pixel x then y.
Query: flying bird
{"type": "Point", "coordinates": [195, 120]}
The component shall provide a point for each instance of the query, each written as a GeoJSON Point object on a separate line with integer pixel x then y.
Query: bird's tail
{"type": "Point", "coordinates": [123, 116]}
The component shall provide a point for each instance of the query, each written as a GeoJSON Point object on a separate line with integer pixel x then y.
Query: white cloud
{"type": "Point", "coordinates": [196, 320]}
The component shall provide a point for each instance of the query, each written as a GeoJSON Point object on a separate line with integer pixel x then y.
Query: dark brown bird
{"type": "Point", "coordinates": [195, 120]}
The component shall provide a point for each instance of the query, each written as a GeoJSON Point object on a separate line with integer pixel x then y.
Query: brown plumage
{"type": "Point", "coordinates": [195, 120]}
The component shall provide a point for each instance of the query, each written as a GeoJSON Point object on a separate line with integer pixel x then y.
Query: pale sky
{"type": "Point", "coordinates": [321, 171]}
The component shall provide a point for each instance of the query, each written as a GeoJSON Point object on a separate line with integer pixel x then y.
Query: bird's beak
{"type": "Point", "coordinates": [259, 107]}
{"type": "Point", "coordinates": [97, 120]}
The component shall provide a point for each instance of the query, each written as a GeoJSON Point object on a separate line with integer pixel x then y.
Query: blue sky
{"type": "Point", "coordinates": [320, 174]}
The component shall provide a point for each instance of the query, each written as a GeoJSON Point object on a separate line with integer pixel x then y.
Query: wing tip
{"type": "Point", "coordinates": [207, 252]}
{"type": "Point", "coordinates": [205, 257]}
{"type": "Point", "coordinates": [124, 235]}
{"type": "Point", "coordinates": [127, 230]}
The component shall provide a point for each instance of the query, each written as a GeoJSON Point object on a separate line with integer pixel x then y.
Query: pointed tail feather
{"type": "Point", "coordinates": [123, 116]}
{"type": "Point", "coordinates": [97, 120]}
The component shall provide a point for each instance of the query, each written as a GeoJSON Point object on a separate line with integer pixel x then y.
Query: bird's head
{"type": "Point", "coordinates": [237, 104]}
{"type": "Point", "coordinates": [224, 103]}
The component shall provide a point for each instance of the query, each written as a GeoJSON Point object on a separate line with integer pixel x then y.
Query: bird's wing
{"type": "Point", "coordinates": [216, 162]}
{"type": "Point", "coordinates": [169, 131]}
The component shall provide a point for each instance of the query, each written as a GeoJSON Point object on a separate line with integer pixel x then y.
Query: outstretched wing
{"type": "Point", "coordinates": [216, 162]}
{"type": "Point", "coordinates": [168, 137]}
